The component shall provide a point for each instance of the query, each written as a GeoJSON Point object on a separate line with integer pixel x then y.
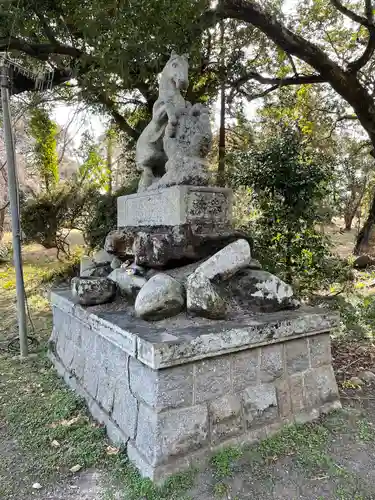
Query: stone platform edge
{"type": "Point", "coordinates": [162, 346]}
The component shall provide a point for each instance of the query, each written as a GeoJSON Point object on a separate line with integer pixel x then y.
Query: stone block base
{"type": "Point", "coordinates": [175, 206]}
{"type": "Point", "coordinates": [174, 394]}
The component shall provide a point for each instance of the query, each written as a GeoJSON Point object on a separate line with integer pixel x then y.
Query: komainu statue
{"type": "Point", "coordinates": [172, 148]}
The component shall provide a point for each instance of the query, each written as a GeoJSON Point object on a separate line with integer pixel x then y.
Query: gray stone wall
{"type": "Point", "coordinates": [173, 417]}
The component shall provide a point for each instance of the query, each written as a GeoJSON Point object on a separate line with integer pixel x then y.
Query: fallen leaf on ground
{"type": "Point", "coordinates": [76, 468]}
{"type": "Point", "coordinates": [112, 450]}
{"type": "Point", "coordinates": [65, 423]}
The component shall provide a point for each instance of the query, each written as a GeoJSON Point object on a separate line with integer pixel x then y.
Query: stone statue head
{"type": "Point", "coordinates": [177, 69]}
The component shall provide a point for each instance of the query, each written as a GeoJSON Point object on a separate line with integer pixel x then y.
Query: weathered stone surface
{"type": "Point", "coordinates": [186, 145]}
{"type": "Point", "coordinates": [283, 395]}
{"type": "Point", "coordinates": [161, 436]}
{"type": "Point", "coordinates": [125, 408]}
{"type": "Point", "coordinates": [91, 372]}
{"type": "Point", "coordinates": [180, 274]}
{"type": "Point", "coordinates": [202, 298]}
{"type": "Point", "coordinates": [161, 297]}
{"type": "Point", "coordinates": [245, 366]}
{"type": "Point", "coordinates": [320, 350]}
{"type": "Point", "coordinates": [260, 404]}
{"type": "Point", "coordinates": [320, 386]}
{"type": "Point", "coordinates": [225, 414]}
{"type": "Point", "coordinates": [120, 242]}
{"type": "Point", "coordinates": [99, 271]}
{"type": "Point", "coordinates": [297, 395]}
{"type": "Point", "coordinates": [258, 290]}
{"type": "Point", "coordinates": [227, 261]}
{"type": "Point", "coordinates": [116, 263]}
{"type": "Point", "coordinates": [297, 356]}
{"type": "Point", "coordinates": [162, 389]}
{"type": "Point", "coordinates": [92, 291]}
{"type": "Point", "coordinates": [102, 257]}
{"type": "Point", "coordinates": [176, 206]}
{"type": "Point", "coordinates": [165, 246]}
{"type": "Point", "coordinates": [150, 155]}
{"type": "Point", "coordinates": [272, 363]}
{"type": "Point", "coordinates": [308, 416]}
{"type": "Point", "coordinates": [173, 417]}
{"type": "Point", "coordinates": [86, 264]}
{"type": "Point", "coordinates": [184, 339]}
{"type": "Point", "coordinates": [128, 284]}
{"type": "Point", "coordinates": [367, 376]}
{"type": "Point", "coordinates": [212, 379]}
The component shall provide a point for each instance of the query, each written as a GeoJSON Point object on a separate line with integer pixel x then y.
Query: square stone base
{"type": "Point", "coordinates": [175, 206]}
{"type": "Point", "coordinates": [175, 390]}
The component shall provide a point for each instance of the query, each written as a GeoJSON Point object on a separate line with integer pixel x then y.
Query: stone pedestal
{"type": "Point", "coordinates": [176, 206]}
{"type": "Point", "coordinates": [172, 226]}
{"type": "Point", "coordinates": [175, 390]}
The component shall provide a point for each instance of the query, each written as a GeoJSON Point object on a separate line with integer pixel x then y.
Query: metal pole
{"type": "Point", "coordinates": [13, 198]}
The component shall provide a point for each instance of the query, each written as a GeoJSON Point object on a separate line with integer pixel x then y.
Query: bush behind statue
{"type": "Point", "coordinates": [289, 184]}
{"type": "Point", "coordinates": [48, 218]}
{"type": "Point", "coordinates": [103, 215]}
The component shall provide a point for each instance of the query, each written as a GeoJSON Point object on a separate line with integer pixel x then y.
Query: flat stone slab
{"type": "Point", "coordinates": [183, 339]}
{"type": "Point", "coordinates": [174, 206]}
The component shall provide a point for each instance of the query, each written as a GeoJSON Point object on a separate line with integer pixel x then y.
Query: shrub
{"type": "Point", "coordinates": [103, 215]}
{"type": "Point", "coordinates": [47, 218]}
{"type": "Point", "coordinates": [288, 184]}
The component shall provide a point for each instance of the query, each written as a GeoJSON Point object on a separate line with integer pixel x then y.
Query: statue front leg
{"type": "Point", "coordinates": [147, 178]}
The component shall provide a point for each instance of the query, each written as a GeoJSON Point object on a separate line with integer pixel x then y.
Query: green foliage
{"type": "Point", "coordinates": [44, 131]}
{"type": "Point", "coordinates": [103, 215]}
{"type": "Point", "coordinates": [222, 462]}
{"type": "Point", "coordinates": [289, 182]}
{"type": "Point", "coordinates": [94, 172]}
{"type": "Point", "coordinates": [48, 218]}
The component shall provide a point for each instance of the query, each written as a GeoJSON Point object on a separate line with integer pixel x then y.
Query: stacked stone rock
{"type": "Point", "coordinates": [169, 227]}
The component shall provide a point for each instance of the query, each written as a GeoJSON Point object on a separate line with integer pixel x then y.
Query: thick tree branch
{"type": "Point", "coordinates": [293, 80]}
{"type": "Point", "coordinates": [117, 116]}
{"type": "Point", "coordinates": [252, 97]}
{"type": "Point", "coordinates": [350, 14]}
{"type": "Point", "coordinates": [365, 57]}
{"type": "Point", "coordinates": [46, 27]}
{"type": "Point", "coordinates": [38, 50]}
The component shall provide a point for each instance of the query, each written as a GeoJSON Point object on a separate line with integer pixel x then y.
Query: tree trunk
{"type": "Point", "coordinates": [109, 160]}
{"type": "Point", "coordinates": [221, 163]}
{"type": "Point", "coordinates": [2, 220]}
{"type": "Point", "coordinates": [348, 218]}
{"type": "Point", "coordinates": [363, 237]}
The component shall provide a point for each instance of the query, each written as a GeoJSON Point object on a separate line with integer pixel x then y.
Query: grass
{"type": "Point", "coordinates": [306, 447]}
